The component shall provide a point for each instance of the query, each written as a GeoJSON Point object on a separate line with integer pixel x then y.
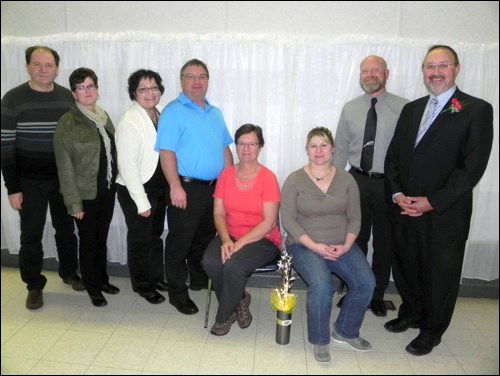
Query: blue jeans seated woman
{"type": "Point", "coordinates": [354, 269]}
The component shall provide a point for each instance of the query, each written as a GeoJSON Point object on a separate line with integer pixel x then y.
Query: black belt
{"type": "Point", "coordinates": [198, 181]}
{"type": "Point", "coordinates": [371, 175]}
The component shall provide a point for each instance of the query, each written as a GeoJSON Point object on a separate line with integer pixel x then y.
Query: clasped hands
{"type": "Point", "coordinates": [227, 249]}
{"type": "Point", "coordinates": [330, 251]}
{"type": "Point", "coordinates": [413, 206]}
{"type": "Point", "coordinates": [78, 215]}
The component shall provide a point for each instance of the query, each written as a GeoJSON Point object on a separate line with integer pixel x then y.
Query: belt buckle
{"type": "Point", "coordinates": [375, 175]}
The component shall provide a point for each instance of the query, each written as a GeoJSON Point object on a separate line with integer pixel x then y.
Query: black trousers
{"type": "Point", "coordinates": [144, 243]}
{"type": "Point", "coordinates": [190, 231]}
{"type": "Point", "coordinates": [230, 279]}
{"type": "Point", "coordinates": [374, 222]}
{"type": "Point", "coordinates": [427, 274]}
{"type": "Point", "coordinates": [93, 231]}
{"type": "Point", "coordinates": [37, 196]}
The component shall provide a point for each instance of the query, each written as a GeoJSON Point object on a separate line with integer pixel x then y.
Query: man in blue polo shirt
{"type": "Point", "coordinates": [193, 142]}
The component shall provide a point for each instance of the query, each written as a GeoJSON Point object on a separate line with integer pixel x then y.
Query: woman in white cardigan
{"type": "Point", "coordinates": [141, 185]}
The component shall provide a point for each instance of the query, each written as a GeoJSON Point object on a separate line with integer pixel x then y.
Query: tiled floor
{"type": "Point", "coordinates": [130, 336]}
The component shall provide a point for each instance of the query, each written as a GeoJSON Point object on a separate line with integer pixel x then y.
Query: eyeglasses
{"type": "Point", "coordinates": [192, 77]}
{"type": "Point", "coordinates": [144, 90]}
{"type": "Point", "coordinates": [441, 66]}
{"type": "Point", "coordinates": [249, 144]}
{"type": "Point", "coordinates": [86, 88]}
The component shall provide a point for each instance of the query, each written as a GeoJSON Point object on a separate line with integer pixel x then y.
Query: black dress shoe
{"type": "Point", "coordinates": [378, 308]}
{"type": "Point", "coordinates": [75, 281]}
{"type": "Point", "coordinates": [110, 289]}
{"type": "Point", "coordinates": [186, 307]}
{"type": "Point", "coordinates": [422, 345]}
{"type": "Point", "coordinates": [162, 286]}
{"type": "Point", "coordinates": [400, 325]}
{"type": "Point", "coordinates": [98, 300]}
{"type": "Point", "coordinates": [154, 297]}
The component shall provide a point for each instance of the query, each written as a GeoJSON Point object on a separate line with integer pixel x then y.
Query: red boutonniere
{"type": "Point", "coordinates": [455, 106]}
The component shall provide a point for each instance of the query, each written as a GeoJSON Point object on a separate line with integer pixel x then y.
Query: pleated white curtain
{"type": "Point", "coordinates": [285, 85]}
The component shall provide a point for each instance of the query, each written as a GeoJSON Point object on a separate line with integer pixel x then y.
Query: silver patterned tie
{"type": "Point", "coordinates": [427, 120]}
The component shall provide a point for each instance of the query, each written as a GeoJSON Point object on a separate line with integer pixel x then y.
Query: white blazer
{"type": "Point", "coordinates": [135, 139]}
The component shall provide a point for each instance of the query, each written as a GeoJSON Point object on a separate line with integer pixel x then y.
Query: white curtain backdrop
{"type": "Point", "coordinates": [285, 85]}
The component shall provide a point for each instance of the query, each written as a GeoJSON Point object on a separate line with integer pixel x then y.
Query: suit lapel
{"type": "Point", "coordinates": [441, 119]}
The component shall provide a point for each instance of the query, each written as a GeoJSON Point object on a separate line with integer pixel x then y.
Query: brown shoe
{"type": "Point", "coordinates": [232, 318]}
{"type": "Point", "coordinates": [221, 329]}
{"type": "Point", "coordinates": [243, 315]}
{"type": "Point", "coordinates": [34, 299]}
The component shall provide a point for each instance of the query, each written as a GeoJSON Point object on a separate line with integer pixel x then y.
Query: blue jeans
{"type": "Point", "coordinates": [354, 270]}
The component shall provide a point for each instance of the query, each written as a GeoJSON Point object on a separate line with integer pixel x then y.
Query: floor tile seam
{"type": "Point", "coordinates": [127, 369]}
{"type": "Point", "coordinates": [494, 357]}
{"type": "Point", "coordinates": [125, 326]}
{"type": "Point", "coordinates": [418, 364]}
{"type": "Point", "coordinates": [94, 357]}
{"type": "Point", "coordinates": [151, 353]}
{"type": "Point", "coordinates": [256, 301]}
{"type": "Point", "coordinates": [103, 345]}
{"type": "Point", "coordinates": [359, 355]}
{"type": "Point", "coordinates": [14, 334]}
{"type": "Point", "coordinates": [63, 363]}
{"type": "Point", "coordinates": [46, 350]}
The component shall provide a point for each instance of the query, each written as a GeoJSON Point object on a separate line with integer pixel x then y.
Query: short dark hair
{"type": "Point", "coordinates": [29, 51]}
{"type": "Point", "coordinates": [197, 63]}
{"type": "Point", "coordinates": [444, 47]}
{"type": "Point", "coordinates": [79, 75]}
{"type": "Point", "coordinates": [137, 76]}
{"type": "Point", "coordinates": [249, 128]}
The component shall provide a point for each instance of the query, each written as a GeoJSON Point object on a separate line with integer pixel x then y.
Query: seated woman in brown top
{"type": "Point", "coordinates": [320, 210]}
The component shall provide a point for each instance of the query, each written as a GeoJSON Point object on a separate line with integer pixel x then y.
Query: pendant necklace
{"type": "Point", "coordinates": [317, 178]}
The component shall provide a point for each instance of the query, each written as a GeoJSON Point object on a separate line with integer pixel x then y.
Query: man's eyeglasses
{"type": "Point", "coordinates": [249, 144]}
{"type": "Point", "coordinates": [144, 90]}
{"type": "Point", "coordinates": [442, 66]}
{"type": "Point", "coordinates": [191, 77]}
{"type": "Point", "coordinates": [86, 88]}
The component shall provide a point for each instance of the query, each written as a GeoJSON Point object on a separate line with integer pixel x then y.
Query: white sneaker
{"type": "Point", "coordinates": [322, 353]}
{"type": "Point", "coordinates": [358, 343]}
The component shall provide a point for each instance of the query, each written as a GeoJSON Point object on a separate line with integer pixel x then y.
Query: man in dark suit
{"type": "Point", "coordinates": [439, 152]}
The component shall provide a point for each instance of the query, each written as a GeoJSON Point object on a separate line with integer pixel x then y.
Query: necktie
{"type": "Point", "coordinates": [369, 138]}
{"type": "Point", "coordinates": [427, 120]}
